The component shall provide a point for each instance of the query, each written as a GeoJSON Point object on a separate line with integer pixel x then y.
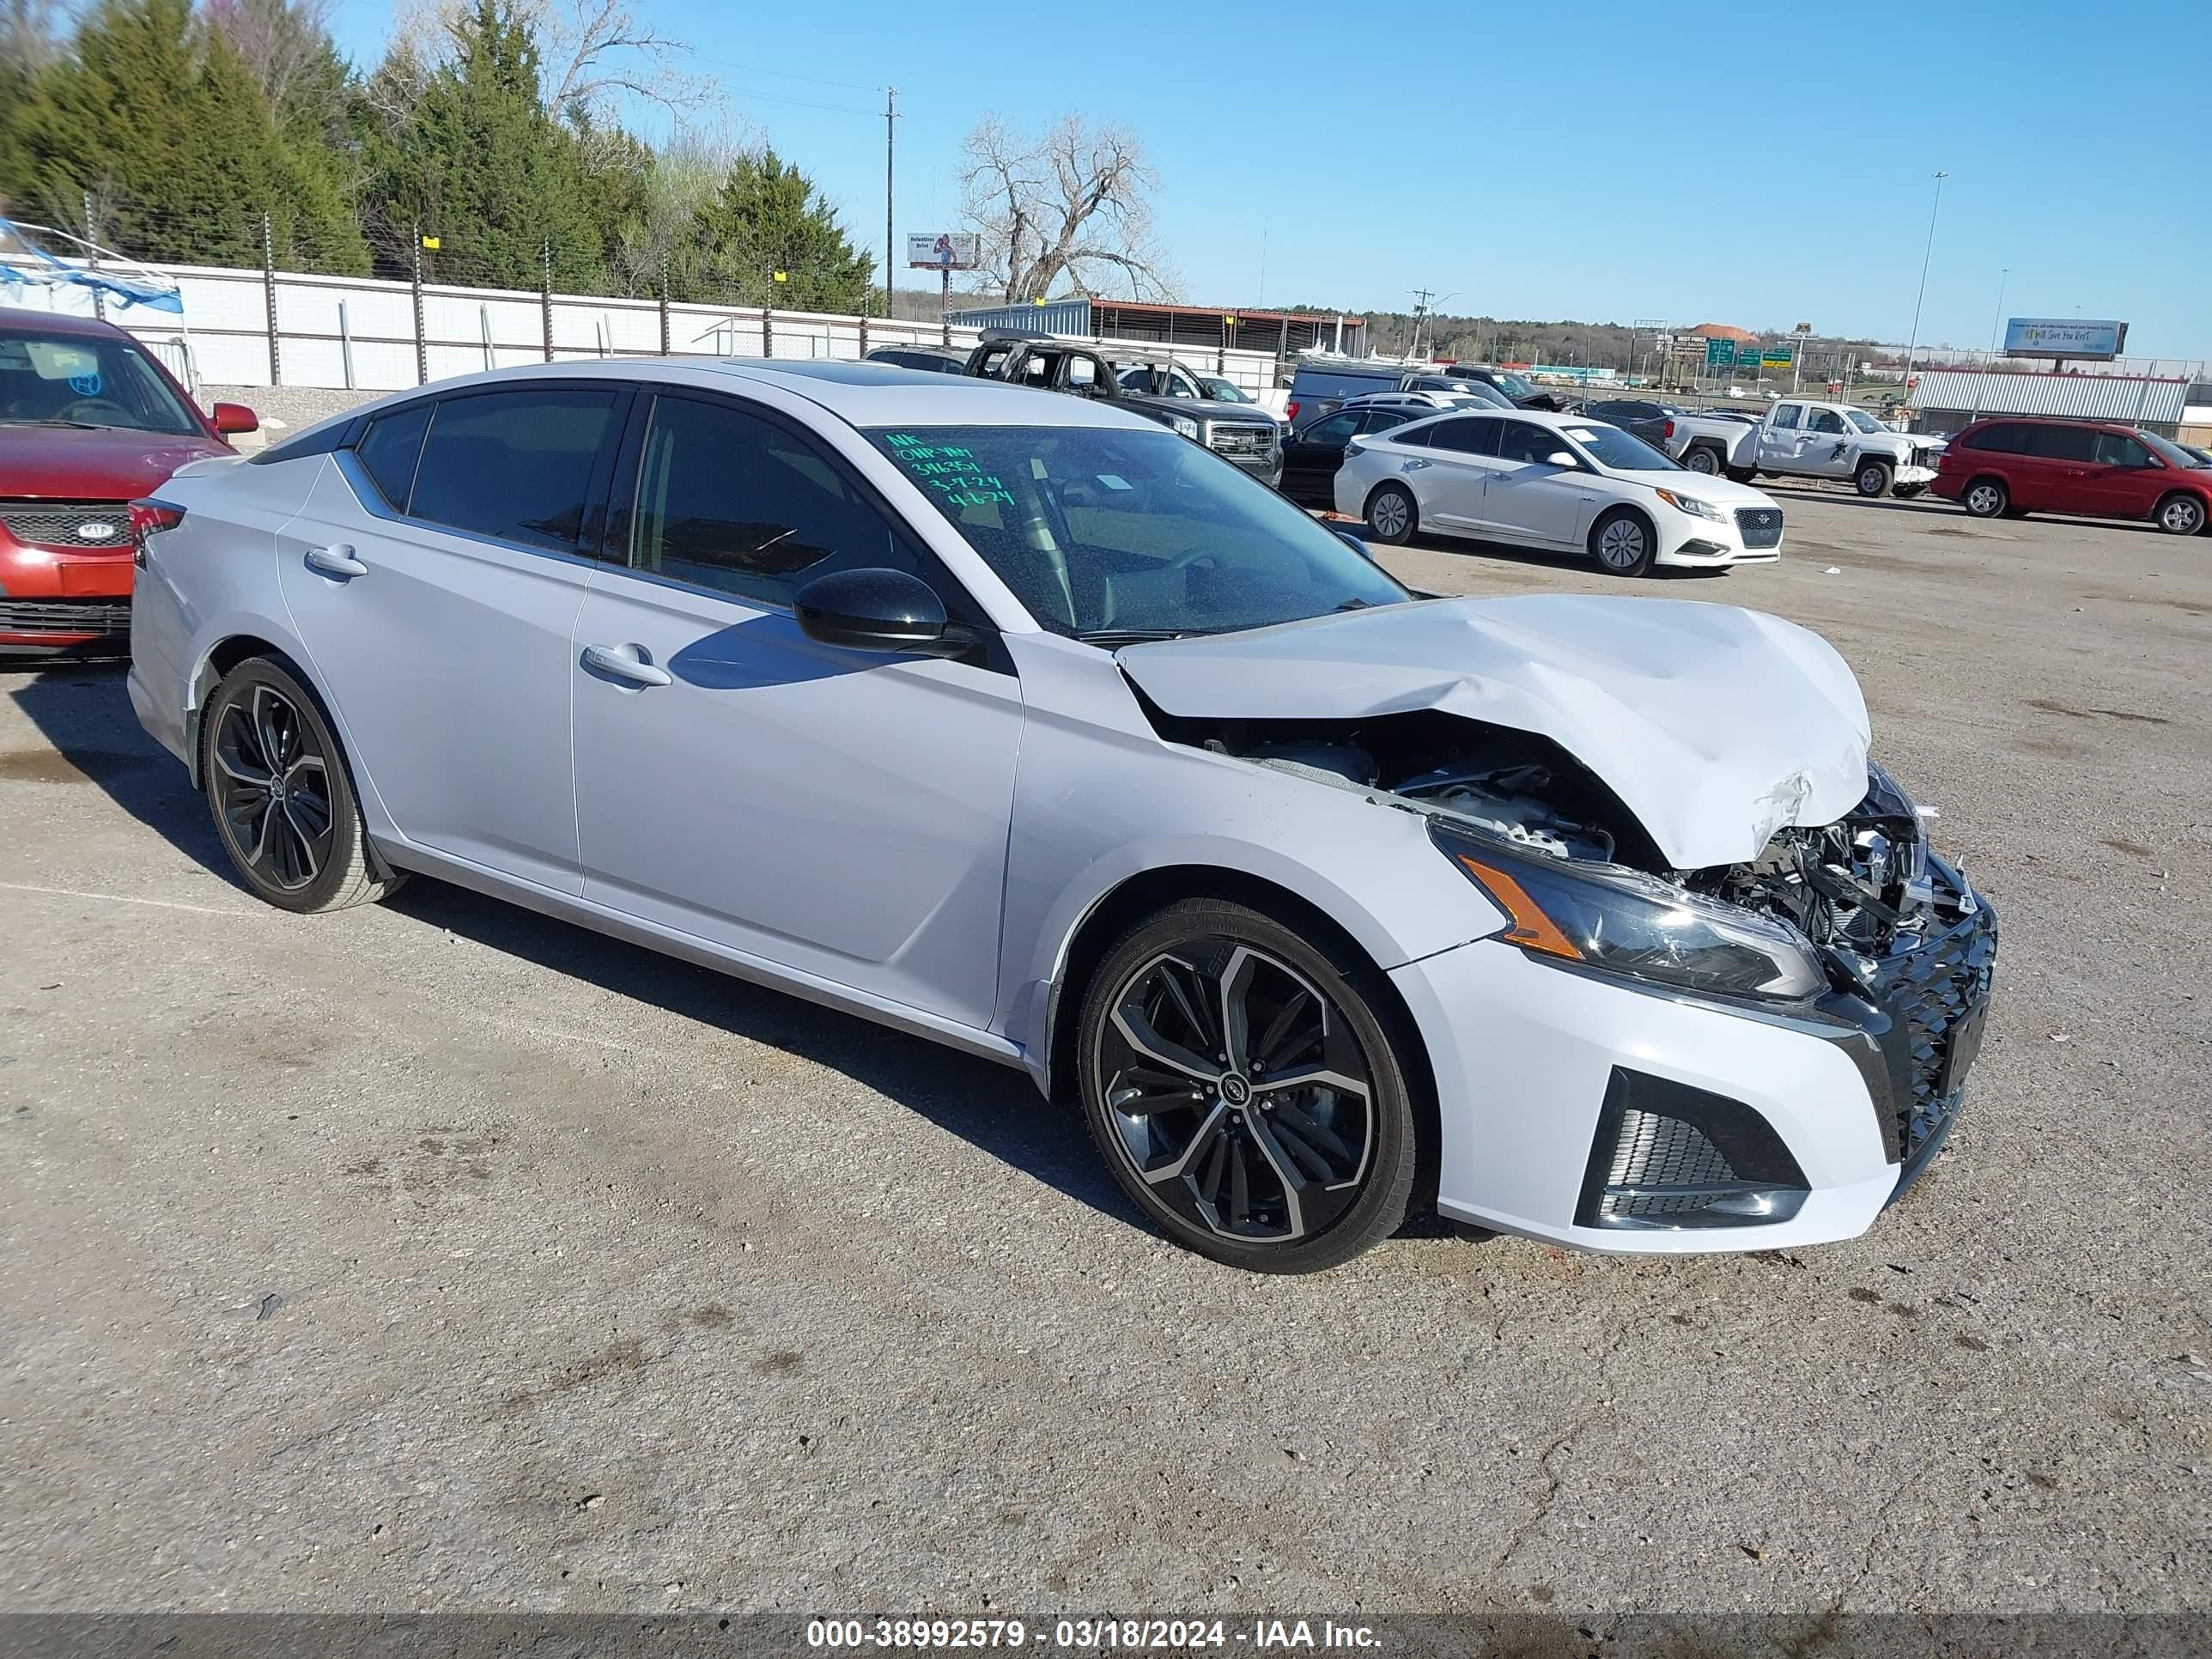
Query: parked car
{"type": "Point", "coordinates": [1638, 416]}
{"type": "Point", "coordinates": [1592, 912]}
{"type": "Point", "coordinates": [940, 360]}
{"type": "Point", "coordinates": [1801, 439]}
{"type": "Point", "coordinates": [1556, 481]}
{"type": "Point", "coordinates": [1312, 451]}
{"type": "Point", "coordinates": [1321, 385]}
{"type": "Point", "coordinates": [2008, 467]}
{"type": "Point", "coordinates": [1250, 441]}
{"type": "Point", "coordinates": [1163, 377]}
{"type": "Point", "coordinates": [1516, 389]}
{"type": "Point", "coordinates": [89, 421]}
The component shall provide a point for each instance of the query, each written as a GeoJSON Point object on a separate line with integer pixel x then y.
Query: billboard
{"type": "Point", "coordinates": [947, 250]}
{"type": "Point", "coordinates": [2063, 336]}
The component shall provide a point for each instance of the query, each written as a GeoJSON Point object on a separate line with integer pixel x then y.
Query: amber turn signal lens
{"type": "Point", "coordinates": [1532, 929]}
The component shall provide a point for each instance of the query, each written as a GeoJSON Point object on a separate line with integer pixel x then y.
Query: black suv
{"type": "Point", "coordinates": [1246, 436]}
{"type": "Point", "coordinates": [1525, 394]}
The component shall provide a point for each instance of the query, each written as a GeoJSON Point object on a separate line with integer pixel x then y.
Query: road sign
{"type": "Point", "coordinates": [1719, 354]}
{"type": "Point", "coordinates": [1775, 358]}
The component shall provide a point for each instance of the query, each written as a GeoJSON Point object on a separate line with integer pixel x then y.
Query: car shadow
{"type": "Point", "coordinates": [83, 712]}
{"type": "Point", "coordinates": [995, 1108]}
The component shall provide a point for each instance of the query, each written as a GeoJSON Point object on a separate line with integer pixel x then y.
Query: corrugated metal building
{"type": "Point", "coordinates": [1279, 333]}
{"type": "Point", "coordinates": [1947, 399]}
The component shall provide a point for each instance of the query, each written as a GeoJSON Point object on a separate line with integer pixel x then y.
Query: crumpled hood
{"type": "Point", "coordinates": [1715, 725]}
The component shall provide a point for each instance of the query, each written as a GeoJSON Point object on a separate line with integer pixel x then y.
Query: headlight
{"type": "Point", "coordinates": [1185, 425]}
{"type": "Point", "coordinates": [1692, 506]}
{"type": "Point", "coordinates": [1626, 922]}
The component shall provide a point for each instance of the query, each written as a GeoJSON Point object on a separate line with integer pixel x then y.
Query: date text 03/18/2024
{"type": "Point", "coordinates": [1123, 1635]}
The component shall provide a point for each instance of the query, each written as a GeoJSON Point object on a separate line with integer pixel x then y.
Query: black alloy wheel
{"type": "Point", "coordinates": [1244, 1092]}
{"type": "Point", "coordinates": [283, 804]}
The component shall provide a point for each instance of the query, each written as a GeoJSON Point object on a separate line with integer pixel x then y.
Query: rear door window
{"type": "Point", "coordinates": [2061, 443]}
{"type": "Point", "coordinates": [1785, 417]}
{"type": "Point", "coordinates": [2005, 438]}
{"type": "Point", "coordinates": [1469, 436]}
{"type": "Point", "coordinates": [513, 465]}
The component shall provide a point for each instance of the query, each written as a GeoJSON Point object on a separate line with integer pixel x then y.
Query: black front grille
{"type": "Point", "coordinates": [1760, 526]}
{"type": "Point", "coordinates": [63, 523]}
{"type": "Point", "coordinates": [64, 616]}
{"type": "Point", "coordinates": [1937, 995]}
{"type": "Point", "coordinates": [1658, 1152]}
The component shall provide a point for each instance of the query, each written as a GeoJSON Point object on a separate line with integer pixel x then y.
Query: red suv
{"type": "Point", "coordinates": [89, 421]}
{"type": "Point", "coordinates": [2009, 467]}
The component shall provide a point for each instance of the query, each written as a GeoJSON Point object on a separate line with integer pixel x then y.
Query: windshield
{"type": "Point", "coordinates": [1482, 391]}
{"type": "Point", "coordinates": [1515, 387]}
{"type": "Point", "coordinates": [1622, 451]}
{"type": "Point", "coordinates": [1226, 392]}
{"type": "Point", "coordinates": [1864, 421]}
{"type": "Point", "coordinates": [56, 379]}
{"type": "Point", "coordinates": [2173, 454]}
{"type": "Point", "coordinates": [1107, 533]}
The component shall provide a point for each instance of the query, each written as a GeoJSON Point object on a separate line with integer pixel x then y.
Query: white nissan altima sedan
{"type": "Point", "coordinates": [1563, 482]}
{"type": "Point", "coordinates": [1019, 722]}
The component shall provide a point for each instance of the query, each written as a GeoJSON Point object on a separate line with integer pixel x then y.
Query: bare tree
{"type": "Point", "coordinates": [598, 52]}
{"type": "Point", "coordinates": [1074, 203]}
{"type": "Point", "coordinates": [663, 240]}
{"type": "Point", "coordinates": [28, 32]}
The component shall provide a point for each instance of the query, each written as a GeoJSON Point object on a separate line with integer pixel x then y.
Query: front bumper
{"type": "Point", "coordinates": [60, 599]}
{"type": "Point", "coordinates": [1537, 1067]}
{"type": "Point", "coordinates": [1909, 476]}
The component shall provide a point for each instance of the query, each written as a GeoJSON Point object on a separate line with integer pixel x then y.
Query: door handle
{"type": "Point", "coordinates": [335, 562]}
{"type": "Point", "coordinates": [622, 662]}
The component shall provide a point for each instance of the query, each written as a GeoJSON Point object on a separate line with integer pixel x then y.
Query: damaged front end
{"type": "Point", "coordinates": [1853, 930]}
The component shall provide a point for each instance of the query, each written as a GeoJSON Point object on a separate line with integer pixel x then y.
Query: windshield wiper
{"type": "Point", "coordinates": [1113, 637]}
{"type": "Point", "coordinates": [81, 426]}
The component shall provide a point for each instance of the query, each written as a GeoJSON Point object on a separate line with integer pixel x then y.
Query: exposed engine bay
{"type": "Point", "coordinates": [1861, 884]}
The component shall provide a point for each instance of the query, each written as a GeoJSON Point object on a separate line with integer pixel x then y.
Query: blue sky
{"type": "Point", "coordinates": [1765, 165]}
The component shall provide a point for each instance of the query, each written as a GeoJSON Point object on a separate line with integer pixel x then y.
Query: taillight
{"type": "Point", "coordinates": [149, 516]}
{"type": "Point", "coordinates": [1291, 411]}
{"type": "Point", "coordinates": [1669, 432]}
{"type": "Point", "coordinates": [146, 517]}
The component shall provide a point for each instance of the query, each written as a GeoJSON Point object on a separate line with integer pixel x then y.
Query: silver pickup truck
{"type": "Point", "coordinates": [1802, 440]}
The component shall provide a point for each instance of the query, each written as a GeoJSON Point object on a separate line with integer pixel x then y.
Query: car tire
{"type": "Point", "coordinates": [1701, 458]}
{"type": "Point", "coordinates": [1623, 542]}
{"type": "Point", "coordinates": [1906, 492]}
{"type": "Point", "coordinates": [1392, 515]}
{"type": "Point", "coordinates": [1321, 1172]}
{"type": "Point", "coordinates": [1872, 479]}
{"type": "Point", "coordinates": [1986, 498]}
{"type": "Point", "coordinates": [2180, 514]}
{"type": "Point", "coordinates": [300, 845]}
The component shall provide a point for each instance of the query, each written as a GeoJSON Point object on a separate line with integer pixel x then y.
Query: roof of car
{"type": "Point", "coordinates": [56, 322]}
{"type": "Point", "coordinates": [862, 394]}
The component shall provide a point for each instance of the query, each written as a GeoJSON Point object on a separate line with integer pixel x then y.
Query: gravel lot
{"type": "Point", "coordinates": [438, 1256]}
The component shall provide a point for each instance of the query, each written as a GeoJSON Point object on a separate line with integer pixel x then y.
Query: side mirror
{"type": "Point", "coordinates": [230, 419]}
{"type": "Point", "coordinates": [878, 609]}
{"type": "Point", "coordinates": [1561, 458]}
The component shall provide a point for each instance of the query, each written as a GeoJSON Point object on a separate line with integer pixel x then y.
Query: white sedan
{"type": "Point", "coordinates": [1556, 481]}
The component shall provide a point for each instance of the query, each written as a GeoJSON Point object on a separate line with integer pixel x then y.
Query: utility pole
{"type": "Point", "coordinates": [1421, 310]}
{"type": "Point", "coordinates": [890, 147]}
{"type": "Point", "coordinates": [1912, 344]}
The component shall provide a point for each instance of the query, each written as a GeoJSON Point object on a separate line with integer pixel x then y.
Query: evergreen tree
{"type": "Point", "coordinates": [768, 218]}
{"type": "Point", "coordinates": [156, 117]}
{"type": "Point", "coordinates": [476, 162]}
